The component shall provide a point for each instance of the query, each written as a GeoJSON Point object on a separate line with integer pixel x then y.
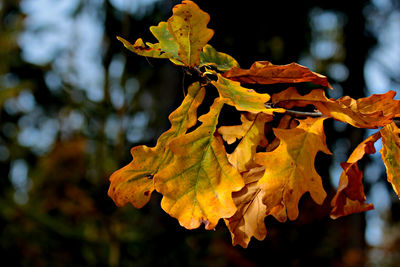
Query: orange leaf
{"type": "Point", "coordinates": [248, 221]}
{"type": "Point", "coordinates": [391, 154]}
{"type": "Point", "coordinates": [135, 182]}
{"type": "Point", "coordinates": [188, 25]}
{"type": "Point", "coordinates": [251, 133]}
{"type": "Point", "coordinates": [264, 72]}
{"type": "Point", "coordinates": [198, 185]}
{"type": "Point", "coordinates": [290, 170]}
{"type": "Point", "coordinates": [369, 112]}
{"type": "Point", "coordinates": [350, 197]}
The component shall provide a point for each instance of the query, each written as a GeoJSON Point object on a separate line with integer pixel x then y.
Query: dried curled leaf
{"type": "Point", "coordinates": [188, 25]}
{"type": "Point", "coordinates": [350, 197]}
{"type": "Point", "coordinates": [211, 57]}
{"type": "Point", "coordinates": [198, 186]}
{"type": "Point", "coordinates": [369, 112]}
{"type": "Point", "coordinates": [264, 72]}
{"type": "Point", "coordinates": [289, 169]}
{"type": "Point", "coordinates": [251, 133]}
{"type": "Point", "coordinates": [134, 183]}
{"type": "Point", "coordinates": [249, 218]}
{"type": "Point", "coordinates": [391, 154]}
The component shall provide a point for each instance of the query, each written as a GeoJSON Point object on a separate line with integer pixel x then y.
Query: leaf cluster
{"type": "Point", "coordinates": [201, 183]}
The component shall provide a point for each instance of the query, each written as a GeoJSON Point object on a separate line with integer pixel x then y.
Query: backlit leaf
{"type": "Point", "coordinates": [151, 50]}
{"type": "Point", "coordinates": [391, 154]}
{"type": "Point", "coordinates": [264, 72]}
{"type": "Point", "coordinates": [211, 57]}
{"type": "Point", "coordinates": [241, 98]}
{"type": "Point", "coordinates": [251, 133]}
{"type": "Point", "coordinates": [198, 186]}
{"type": "Point", "coordinates": [289, 169]}
{"type": "Point", "coordinates": [369, 112]}
{"type": "Point", "coordinates": [248, 221]}
{"type": "Point", "coordinates": [188, 25]}
{"type": "Point", "coordinates": [134, 183]}
{"type": "Point", "coordinates": [167, 43]}
{"type": "Point", "coordinates": [350, 197]}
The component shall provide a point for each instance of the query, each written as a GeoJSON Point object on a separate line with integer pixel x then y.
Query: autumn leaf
{"type": "Point", "coordinates": [167, 42]}
{"type": "Point", "coordinates": [243, 99]}
{"type": "Point", "coordinates": [211, 57]}
{"type": "Point", "coordinates": [369, 112]}
{"type": "Point", "coordinates": [188, 25]}
{"type": "Point", "coordinates": [391, 154]}
{"type": "Point", "coordinates": [289, 169]}
{"type": "Point", "coordinates": [350, 197]}
{"type": "Point", "coordinates": [134, 183]}
{"type": "Point", "coordinates": [251, 133]}
{"type": "Point", "coordinates": [151, 50]}
{"type": "Point", "coordinates": [249, 218]}
{"type": "Point", "coordinates": [198, 186]}
{"type": "Point", "coordinates": [264, 72]}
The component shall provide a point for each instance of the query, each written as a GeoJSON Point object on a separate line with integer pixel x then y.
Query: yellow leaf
{"type": "Point", "coordinates": [350, 197]}
{"type": "Point", "coordinates": [198, 186]}
{"type": "Point", "coordinates": [391, 154]}
{"type": "Point", "coordinates": [134, 183]}
{"type": "Point", "coordinates": [369, 112]}
{"type": "Point", "coordinates": [211, 57]}
{"type": "Point", "coordinates": [151, 50]}
{"type": "Point", "coordinates": [251, 133]}
{"type": "Point", "coordinates": [264, 72]}
{"type": "Point", "coordinates": [243, 99]}
{"type": "Point", "coordinates": [289, 169]}
{"type": "Point", "coordinates": [248, 221]}
{"type": "Point", "coordinates": [188, 25]}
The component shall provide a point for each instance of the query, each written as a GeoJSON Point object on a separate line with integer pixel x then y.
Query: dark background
{"type": "Point", "coordinates": [73, 102]}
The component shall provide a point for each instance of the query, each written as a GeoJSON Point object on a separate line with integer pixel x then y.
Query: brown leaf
{"type": "Point", "coordinates": [350, 197]}
{"type": "Point", "coordinates": [264, 72]}
{"type": "Point", "coordinates": [370, 112]}
{"type": "Point", "coordinates": [248, 220]}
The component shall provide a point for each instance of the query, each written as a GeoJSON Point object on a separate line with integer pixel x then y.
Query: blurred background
{"type": "Point", "coordinates": [73, 102]}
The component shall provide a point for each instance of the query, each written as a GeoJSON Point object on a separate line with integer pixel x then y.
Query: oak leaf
{"type": "Point", "coordinates": [134, 183]}
{"type": "Point", "coordinates": [370, 112]}
{"type": "Point", "coordinates": [251, 134]}
{"type": "Point", "coordinates": [198, 186]}
{"type": "Point", "coordinates": [289, 169]}
{"type": "Point", "coordinates": [249, 218]}
{"type": "Point", "coordinates": [350, 197]}
{"type": "Point", "coordinates": [243, 99]}
{"type": "Point", "coordinates": [148, 50]}
{"type": "Point", "coordinates": [391, 154]}
{"type": "Point", "coordinates": [211, 57]}
{"type": "Point", "coordinates": [188, 25]}
{"type": "Point", "coordinates": [264, 72]}
{"type": "Point", "coordinates": [167, 43]}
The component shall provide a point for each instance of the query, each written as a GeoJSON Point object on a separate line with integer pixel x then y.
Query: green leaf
{"type": "Point", "coordinates": [243, 99]}
{"type": "Point", "coordinates": [167, 43]}
{"type": "Point", "coordinates": [211, 57]}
